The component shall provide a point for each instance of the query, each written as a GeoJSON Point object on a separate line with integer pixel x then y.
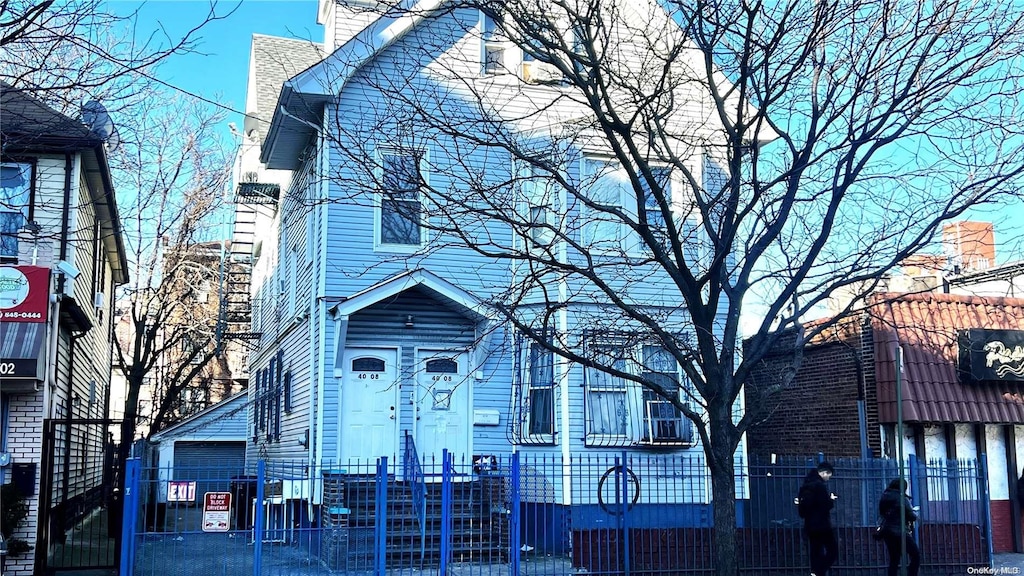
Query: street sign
{"type": "Point", "coordinates": [216, 512]}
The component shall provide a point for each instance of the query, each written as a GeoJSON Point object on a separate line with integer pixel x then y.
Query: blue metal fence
{"type": "Point", "coordinates": [635, 514]}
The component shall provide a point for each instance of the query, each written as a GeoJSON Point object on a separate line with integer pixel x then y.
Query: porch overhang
{"type": "Point", "coordinates": [468, 304]}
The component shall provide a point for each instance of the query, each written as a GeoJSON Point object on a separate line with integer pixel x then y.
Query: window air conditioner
{"type": "Point", "coordinates": [541, 73]}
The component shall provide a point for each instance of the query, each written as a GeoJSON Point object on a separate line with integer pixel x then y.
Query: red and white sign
{"type": "Point", "coordinates": [24, 293]}
{"type": "Point", "coordinates": [181, 491]}
{"type": "Point", "coordinates": [216, 512]}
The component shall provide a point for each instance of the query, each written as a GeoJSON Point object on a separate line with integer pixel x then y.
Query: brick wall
{"type": "Point", "coordinates": [817, 411]}
{"type": "Point", "coordinates": [25, 442]}
{"type": "Point", "coordinates": [1002, 533]}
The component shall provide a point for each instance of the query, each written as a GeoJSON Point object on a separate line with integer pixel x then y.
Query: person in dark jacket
{"type": "Point", "coordinates": [896, 533]}
{"type": "Point", "coordinates": [814, 504]}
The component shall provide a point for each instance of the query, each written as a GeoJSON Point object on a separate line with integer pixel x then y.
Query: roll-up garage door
{"type": "Point", "coordinates": [211, 465]}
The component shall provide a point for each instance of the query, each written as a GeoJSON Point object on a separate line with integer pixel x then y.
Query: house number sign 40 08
{"type": "Point", "coordinates": [442, 378]}
{"type": "Point", "coordinates": [370, 376]}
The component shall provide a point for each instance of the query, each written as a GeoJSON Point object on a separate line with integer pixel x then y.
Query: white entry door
{"type": "Point", "coordinates": [442, 408]}
{"type": "Point", "coordinates": [369, 405]}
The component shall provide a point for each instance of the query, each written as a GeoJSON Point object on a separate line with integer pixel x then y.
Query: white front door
{"type": "Point", "coordinates": [443, 417]}
{"type": "Point", "coordinates": [369, 405]}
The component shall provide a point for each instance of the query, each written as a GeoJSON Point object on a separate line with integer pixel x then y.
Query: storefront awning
{"type": "Point", "coordinates": [934, 390]}
{"type": "Point", "coordinates": [21, 354]}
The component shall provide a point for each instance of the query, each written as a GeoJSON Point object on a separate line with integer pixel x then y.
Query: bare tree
{"type": "Point", "coordinates": [656, 175]}
{"type": "Point", "coordinates": [171, 185]}
{"type": "Point", "coordinates": [69, 52]}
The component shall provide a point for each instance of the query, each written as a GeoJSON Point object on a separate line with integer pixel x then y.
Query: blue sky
{"type": "Point", "coordinates": [220, 72]}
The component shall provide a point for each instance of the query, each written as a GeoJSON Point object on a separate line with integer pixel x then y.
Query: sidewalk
{"type": "Point", "coordinates": [1009, 563]}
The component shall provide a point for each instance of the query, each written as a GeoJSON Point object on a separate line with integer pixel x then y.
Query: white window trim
{"type": "Point", "coordinates": [629, 240]}
{"type": "Point", "coordinates": [636, 406]}
{"type": "Point", "coordinates": [534, 194]}
{"type": "Point", "coordinates": [527, 386]}
{"type": "Point", "coordinates": [378, 244]}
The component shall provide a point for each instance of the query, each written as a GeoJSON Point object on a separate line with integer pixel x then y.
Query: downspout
{"type": "Point", "coordinates": [62, 280]}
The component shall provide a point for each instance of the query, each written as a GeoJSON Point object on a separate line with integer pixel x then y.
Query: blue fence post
{"type": "Point", "coordinates": [513, 521]}
{"type": "Point", "coordinates": [917, 492]}
{"type": "Point", "coordinates": [258, 520]}
{"type": "Point", "coordinates": [986, 505]}
{"type": "Point", "coordinates": [446, 509]}
{"type": "Point", "coordinates": [624, 494]}
{"type": "Point", "coordinates": [380, 532]}
{"type": "Point", "coordinates": [130, 515]}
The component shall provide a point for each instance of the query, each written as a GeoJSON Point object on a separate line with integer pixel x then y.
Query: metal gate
{"type": "Point", "coordinates": [79, 515]}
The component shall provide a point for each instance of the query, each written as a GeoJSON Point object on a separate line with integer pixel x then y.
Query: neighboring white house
{"type": "Point", "coordinates": [373, 333]}
{"type": "Point", "coordinates": [184, 452]}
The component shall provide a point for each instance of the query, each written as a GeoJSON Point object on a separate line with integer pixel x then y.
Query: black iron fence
{"type": "Point", "coordinates": [526, 514]}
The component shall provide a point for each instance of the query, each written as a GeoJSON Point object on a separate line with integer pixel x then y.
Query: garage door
{"type": "Point", "coordinates": [211, 465]}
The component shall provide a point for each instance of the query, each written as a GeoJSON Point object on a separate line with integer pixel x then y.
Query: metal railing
{"type": "Point", "coordinates": [413, 473]}
{"type": "Point", "coordinates": [635, 514]}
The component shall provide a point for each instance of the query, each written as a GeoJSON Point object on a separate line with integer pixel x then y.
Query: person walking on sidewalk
{"type": "Point", "coordinates": [814, 504]}
{"type": "Point", "coordinates": [898, 532]}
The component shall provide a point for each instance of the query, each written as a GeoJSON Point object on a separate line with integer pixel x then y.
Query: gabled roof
{"type": "Point", "coordinates": [274, 60]}
{"type": "Point", "coordinates": [302, 97]}
{"type": "Point", "coordinates": [229, 407]}
{"type": "Point", "coordinates": [446, 291]}
{"type": "Point", "coordinates": [28, 125]}
{"type": "Point", "coordinates": [926, 327]}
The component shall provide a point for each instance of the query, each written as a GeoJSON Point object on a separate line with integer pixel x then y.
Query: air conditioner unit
{"type": "Point", "coordinates": [541, 73]}
{"type": "Point", "coordinates": [98, 299]}
{"type": "Point", "coordinates": [665, 423]}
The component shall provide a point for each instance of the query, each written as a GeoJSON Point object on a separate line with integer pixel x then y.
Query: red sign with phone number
{"type": "Point", "coordinates": [24, 293]}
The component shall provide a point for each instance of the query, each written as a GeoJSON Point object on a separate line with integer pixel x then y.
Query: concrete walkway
{"type": "Point", "coordinates": [1009, 564]}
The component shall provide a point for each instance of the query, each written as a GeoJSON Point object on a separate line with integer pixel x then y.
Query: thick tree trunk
{"type": "Point", "coordinates": [724, 441]}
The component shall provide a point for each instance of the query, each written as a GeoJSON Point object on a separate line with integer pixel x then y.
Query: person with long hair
{"type": "Point", "coordinates": [897, 528]}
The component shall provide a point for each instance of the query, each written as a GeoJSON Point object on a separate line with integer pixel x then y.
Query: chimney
{"type": "Point", "coordinates": [970, 246]}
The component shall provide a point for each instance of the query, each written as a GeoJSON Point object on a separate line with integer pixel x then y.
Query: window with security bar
{"type": "Point", "coordinates": [623, 412]}
{"type": "Point", "coordinates": [535, 394]}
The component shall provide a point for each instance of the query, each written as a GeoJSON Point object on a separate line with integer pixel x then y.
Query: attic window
{"type": "Point", "coordinates": [495, 46]}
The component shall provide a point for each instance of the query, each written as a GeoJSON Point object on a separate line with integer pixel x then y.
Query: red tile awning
{"type": "Point", "coordinates": [926, 327]}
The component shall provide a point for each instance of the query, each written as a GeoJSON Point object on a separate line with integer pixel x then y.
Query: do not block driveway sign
{"type": "Point", "coordinates": [216, 512]}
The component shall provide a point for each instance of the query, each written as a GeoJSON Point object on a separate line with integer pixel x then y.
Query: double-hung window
{"type": "Point", "coordinates": [656, 221]}
{"type": "Point", "coordinates": [538, 192]}
{"type": "Point", "coordinates": [608, 396]}
{"type": "Point", "coordinates": [401, 202]}
{"type": "Point", "coordinates": [624, 412]}
{"type": "Point", "coordinates": [15, 204]}
{"type": "Point", "coordinates": [609, 191]}
{"type": "Point", "coordinates": [540, 392]}
{"type": "Point", "coordinates": [662, 421]}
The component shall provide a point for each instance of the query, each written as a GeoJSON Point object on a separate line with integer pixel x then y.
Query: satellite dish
{"type": "Point", "coordinates": [95, 116]}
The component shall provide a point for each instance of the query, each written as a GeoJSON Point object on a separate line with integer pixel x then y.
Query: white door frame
{"type": "Point", "coordinates": [464, 356]}
{"type": "Point", "coordinates": [395, 399]}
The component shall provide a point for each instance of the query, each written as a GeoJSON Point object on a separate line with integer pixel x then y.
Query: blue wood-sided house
{"type": "Point", "coordinates": [374, 323]}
